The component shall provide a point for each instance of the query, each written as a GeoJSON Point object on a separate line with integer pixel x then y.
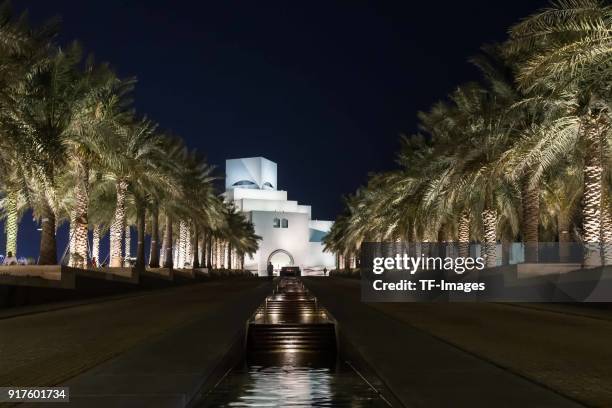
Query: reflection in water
{"type": "Point", "coordinates": [291, 359]}
{"type": "Point", "coordinates": [292, 386]}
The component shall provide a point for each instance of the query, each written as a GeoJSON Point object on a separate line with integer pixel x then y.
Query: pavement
{"type": "Point", "coordinates": [151, 350]}
{"type": "Point", "coordinates": [157, 349]}
{"type": "Point", "coordinates": [476, 354]}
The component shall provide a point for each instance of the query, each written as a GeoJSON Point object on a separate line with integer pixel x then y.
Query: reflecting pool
{"type": "Point", "coordinates": [293, 386]}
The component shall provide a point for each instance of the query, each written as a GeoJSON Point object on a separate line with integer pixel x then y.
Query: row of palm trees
{"type": "Point", "coordinates": [524, 153]}
{"type": "Point", "coordinates": [73, 150]}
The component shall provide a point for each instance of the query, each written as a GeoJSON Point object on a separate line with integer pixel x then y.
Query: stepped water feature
{"type": "Point", "coordinates": [291, 321]}
{"type": "Point", "coordinates": [292, 359]}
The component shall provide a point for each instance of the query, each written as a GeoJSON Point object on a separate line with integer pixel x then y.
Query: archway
{"type": "Point", "coordinates": [280, 258]}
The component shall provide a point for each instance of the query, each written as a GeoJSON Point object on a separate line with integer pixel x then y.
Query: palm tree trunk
{"type": "Point", "coordinates": [204, 261]}
{"type": "Point", "coordinates": [506, 249]}
{"type": "Point", "coordinates": [219, 253]}
{"type": "Point", "coordinates": [167, 244]}
{"type": "Point", "coordinates": [79, 239]}
{"type": "Point", "coordinates": [563, 226]}
{"type": "Point", "coordinates": [209, 242]}
{"type": "Point", "coordinates": [71, 259]}
{"type": "Point", "coordinates": [464, 235]}
{"type": "Point", "coordinates": [188, 247]}
{"type": "Point", "coordinates": [591, 200]}
{"type": "Point", "coordinates": [530, 196]}
{"type": "Point", "coordinates": [127, 245]}
{"type": "Point", "coordinates": [162, 254]}
{"type": "Point", "coordinates": [95, 250]}
{"type": "Point", "coordinates": [48, 239]}
{"type": "Point", "coordinates": [12, 225]}
{"type": "Point", "coordinates": [179, 247]}
{"type": "Point", "coordinates": [229, 255]}
{"type": "Point", "coordinates": [154, 255]}
{"type": "Point", "coordinates": [175, 250]}
{"type": "Point", "coordinates": [48, 244]}
{"type": "Point", "coordinates": [182, 244]}
{"type": "Point", "coordinates": [182, 251]}
{"type": "Point", "coordinates": [222, 254]}
{"type": "Point", "coordinates": [196, 255]}
{"type": "Point", "coordinates": [606, 229]}
{"type": "Point", "coordinates": [489, 221]}
{"type": "Point", "coordinates": [118, 225]}
{"type": "Point", "coordinates": [202, 252]}
{"type": "Point", "coordinates": [212, 251]}
{"type": "Point", "coordinates": [140, 246]}
{"type": "Point", "coordinates": [213, 255]}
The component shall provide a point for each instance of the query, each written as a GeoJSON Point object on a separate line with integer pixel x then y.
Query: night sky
{"type": "Point", "coordinates": [322, 88]}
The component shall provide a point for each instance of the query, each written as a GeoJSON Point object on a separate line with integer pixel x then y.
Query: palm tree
{"type": "Point", "coordinates": [70, 149]}
{"type": "Point", "coordinates": [523, 116]}
{"type": "Point", "coordinates": [14, 203]}
{"type": "Point", "coordinates": [240, 235]}
{"type": "Point", "coordinates": [101, 211]}
{"type": "Point", "coordinates": [569, 63]}
{"type": "Point", "coordinates": [102, 106]}
{"type": "Point", "coordinates": [487, 152]}
{"type": "Point", "coordinates": [24, 54]}
{"type": "Point", "coordinates": [167, 242]}
{"type": "Point", "coordinates": [154, 250]}
{"type": "Point", "coordinates": [561, 198]}
{"type": "Point", "coordinates": [131, 152]}
{"type": "Point", "coordinates": [47, 107]}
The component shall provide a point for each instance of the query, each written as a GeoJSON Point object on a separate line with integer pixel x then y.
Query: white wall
{"type": "Point", "coordinates": [240, 193]}
{"type": "Point", "coordinates": [305, 209]}
{"type": "Point", "coordinates": [290, 239]}
{"type": "Point", "coordinates": [321, 225]}
{"type": "Point", "coordinates": [294, 240]}
{"type": "Point", "coordinates": [258, 170]}
{"type": "Point", "coordinates": [318, 259]}
{"type": "Point", "coordinates": [261, 206]}
{"type": "Point", "coordinates": [271, 205]}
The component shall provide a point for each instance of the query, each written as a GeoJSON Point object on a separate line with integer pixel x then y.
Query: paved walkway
{"type": "Point", "coordinates": [156, 348]}
{"type": "Point", "coordinates": [469, 355]}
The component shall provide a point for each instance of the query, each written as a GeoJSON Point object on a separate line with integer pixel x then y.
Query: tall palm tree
{"type": "Point", "coordinates": [13, 182]}
{"type": "Point", "coordinates": [47, 108]}
{"type": "Point", "coordinates": [523, 115]}
{"type": "Point", "coordinates": [131, 150]}
{"type": "Point", "coordinates": [569, 62]}
{"type": "Point", "coordinates": [239, 234]}
{"type": "Point", "coordinates": [102, 105]}
{"type": "Point", "coordinates": [561, 197]}
{"type": "Point", "coordinates": [24, 54]}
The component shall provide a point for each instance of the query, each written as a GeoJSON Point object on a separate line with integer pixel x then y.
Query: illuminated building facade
{"type": "Point", "coordinates": [290, 236]}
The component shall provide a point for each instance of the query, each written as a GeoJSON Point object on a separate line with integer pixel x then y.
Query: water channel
{"type": "Point", "coordinates": [292, 359]}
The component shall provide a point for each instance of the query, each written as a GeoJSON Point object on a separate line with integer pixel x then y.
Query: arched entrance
{"type": "Point", "coordinates": [280, 258]}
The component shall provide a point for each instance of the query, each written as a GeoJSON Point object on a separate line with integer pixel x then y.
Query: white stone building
{"type": "Point", "coordinates": [290, 236]}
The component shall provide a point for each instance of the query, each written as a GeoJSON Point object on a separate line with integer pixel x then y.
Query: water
{"type": "Point", "coordinates": [291, 360]}
{"type": "Point", "coordinates": [293, 386]}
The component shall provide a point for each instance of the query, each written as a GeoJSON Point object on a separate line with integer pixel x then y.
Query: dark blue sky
{"type": "Point", "coordinates": [323, 88]}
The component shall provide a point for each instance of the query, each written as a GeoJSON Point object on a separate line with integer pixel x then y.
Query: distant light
{"type": "Point", "coordinates": [38, 229]}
